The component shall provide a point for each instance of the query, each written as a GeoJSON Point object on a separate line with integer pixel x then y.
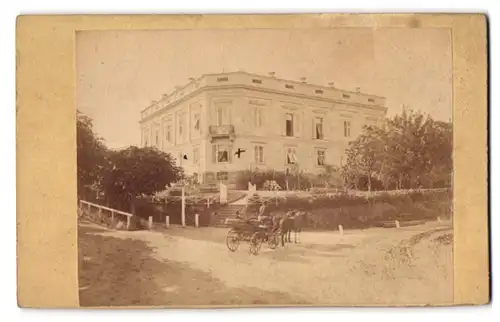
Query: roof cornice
{"type": "Point", "coordinates": [258, 89]}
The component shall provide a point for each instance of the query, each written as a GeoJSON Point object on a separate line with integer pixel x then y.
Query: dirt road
{"type": "Point", "coordinates": [410, 265]}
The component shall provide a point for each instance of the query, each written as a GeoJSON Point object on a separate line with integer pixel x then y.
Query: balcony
{"type": "Point", "coordinates": [221, 132]}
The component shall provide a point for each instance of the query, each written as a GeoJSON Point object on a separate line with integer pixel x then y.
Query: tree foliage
{"type": "Point", "coordinates": [91, 153]}
{"type": "Point", "coordinates": [139, 171]}
{"type": "Point", "coordinates": [329, 176]}
{"type": "Point", "coordinates": [124, 174]}
{"type": "Point", "coordinates": [410, 150]}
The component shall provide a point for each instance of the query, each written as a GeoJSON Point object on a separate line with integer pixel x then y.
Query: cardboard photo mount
{"type": "Point", "coordinates": [47, 272]}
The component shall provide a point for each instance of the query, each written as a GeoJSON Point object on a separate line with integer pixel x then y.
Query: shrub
{"type": "Point", "coordinates": [258, 178]}
{"type": "Point", "coordinates": [381, 211]}
{"type": "Point", "coordinates": [271, 185]}
{"type": "Point", "coordinates": [138, 223]}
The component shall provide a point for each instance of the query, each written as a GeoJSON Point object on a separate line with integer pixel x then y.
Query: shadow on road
{"type": "Point", "coordinates": [121, 272]}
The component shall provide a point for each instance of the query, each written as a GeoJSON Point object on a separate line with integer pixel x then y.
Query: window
{"type": "Point", "coordinates": [168, 133]}
{"type": "Point", "coordinates": [289, 86]}
{"type": "Point", "coordinates": [181, 127]}
{"type": "Point", "coordinates": [222, 79]}
{"type": "Point", "coordinates": [258, 117]}
{"type": "Point", "coordinates": [196, 155]}
{"type": "Point", "coordinates": [259, 154]}
{"type": "Point", "coordinates": [371, 100]}
{"type": "Point", "coordinates": [219, 115]}
{"type": "Point", "coordinates": [318, 128]}
{"type": "Point", "coordinates": [320, 157]}
{"type": "Point", "coordinates": [222, 176]}
{"type": "Point", "coordinates": [346, 96]}
{"type": "Point", "coordinates": [222, 153]}
{"type": "Point", "coordinates": [197, 122]}
{"type": "Point", "coordinates": [318, 91]}
{"type": "Point", "coordinates": [157, 137]}
{"type": "Point", "coordinates": [289, 124]}
{"type": "Point", "coordinates": [222, 113]}
{"type": "Point", "coordinates": [145, 137]}
{"type": "Point", "coordinates": [256, 81]}
{"type": "Point", "coordinates": [291, 157]}
{"type": "Point", "coordinates": [347, 129]}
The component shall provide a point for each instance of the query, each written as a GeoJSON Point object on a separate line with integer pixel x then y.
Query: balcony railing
{"type": "Point", "coordinates": [221, 131]}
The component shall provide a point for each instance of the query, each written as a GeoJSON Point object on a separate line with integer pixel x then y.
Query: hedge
{"type": "Point", "coordinates": [330, 210]}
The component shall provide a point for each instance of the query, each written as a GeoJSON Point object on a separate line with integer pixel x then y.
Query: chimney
{"type": "Point", "coordinates": [358, 89]}
{"type": "Point", "coordinates": [191, 79]}
{"type": "Point", "coordinates": [272, 74]}
{"type": "Point", "coordinates": [331, 84]}
{"type": "Point", "coordinates": [303, 79]}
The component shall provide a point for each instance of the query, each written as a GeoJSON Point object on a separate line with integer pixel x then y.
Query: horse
{"type": "Point", "coordinates": [298, 221]}
{"type": "Point", "coordinates": [285, 224]}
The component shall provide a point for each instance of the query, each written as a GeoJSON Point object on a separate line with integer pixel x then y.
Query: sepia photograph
{"type": "Point", "coordinates": [265, 167]}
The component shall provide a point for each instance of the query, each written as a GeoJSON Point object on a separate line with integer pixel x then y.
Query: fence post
{"type": "Point", "coordinates": [128, 222]}
{"type": "Point", "coordinates": [112, 216]}
{"type": "Point", "coordinates": [341, 230]}
{"type": "Point", "coordinates": [439, 219]}
{"type": "Point", "coordinates": [167, 221]}
{"type": "Point", "coordinates": [397, 224]}
{"type": "Point", "coordinates": [150, 222]}
{"type": "Point", "coordinates": [197, 220]}
{"type": "Point", "coordinates": [100, 213]}
{"type": "Point", "coordinates": [183, 208]}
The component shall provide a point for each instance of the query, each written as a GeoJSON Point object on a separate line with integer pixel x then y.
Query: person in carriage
{"type": "Point", "coordinates": [264, 218]}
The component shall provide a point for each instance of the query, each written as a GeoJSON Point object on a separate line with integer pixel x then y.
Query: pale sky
{"type": "Point", "coordinates": [120, 72]}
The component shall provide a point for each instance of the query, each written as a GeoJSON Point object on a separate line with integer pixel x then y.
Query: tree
{"type": "Point", "coordinates": [410, 150]}
{"type": "Point", "coordinates": [438, 158]}
{"type": "Point", "coordinates": [139, 171]}
{"type": "Point", "coordinates": [91, 153]}
{"type": "Point", "coordinates": [364, 157]}
{"type": "Point", "coordinates": [417, 146]}
{"type": "Point", "coordinates": [329, 176]}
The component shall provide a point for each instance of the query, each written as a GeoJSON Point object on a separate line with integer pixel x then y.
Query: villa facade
{"type": "Point", "coordinates": [280, 124]}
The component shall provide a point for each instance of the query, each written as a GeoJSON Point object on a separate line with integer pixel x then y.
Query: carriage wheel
{"type": "Point", "coordinates": [273, 241]}
{"type": "Point", "coordinates": [233, 240]}
{"type": "Point", "coordinates": [255, 244]}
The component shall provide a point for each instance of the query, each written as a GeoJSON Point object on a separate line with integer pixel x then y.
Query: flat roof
{"type": "Point", "coordinates": [266, 77]}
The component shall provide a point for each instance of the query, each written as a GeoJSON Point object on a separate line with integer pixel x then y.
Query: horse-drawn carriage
{"type": "Point", "coordinates": [251, 231]}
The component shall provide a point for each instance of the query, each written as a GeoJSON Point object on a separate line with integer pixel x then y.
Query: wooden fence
{"type": "Point", "coordinates": [100, 208]}
{"type": "Point", "coordinates": [114, 212]}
